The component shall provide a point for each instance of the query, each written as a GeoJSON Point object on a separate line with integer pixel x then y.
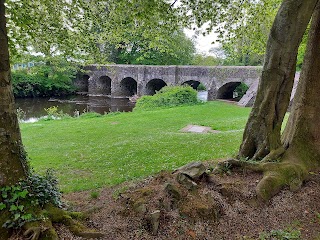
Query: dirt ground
{"type": "Point", "coordinates": [240, 214]}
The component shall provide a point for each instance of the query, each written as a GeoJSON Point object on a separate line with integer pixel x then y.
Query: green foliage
{"type": "Point", "coordinates": [168, 97]}
{"type": "Point", "coordinates": [21, 114]}
{"type": "Point", "coordinates": [13, 198]}
{"type": "Point", "coordinates": [241, 90]}
{"type": "Point", "coordinates": [226, 168]}
{"type": "Point", "coordinates": [53, 78]}
{"type": "Point", "coordinates": [202, 60]}
{"type": "Point", "coordinates": [54, 113]}
{"type": "Point", "coordinates": [135, 52]}
{"type": "Point", "coordinates": [302, 49]}
{"type": "Point", "coordinates": [139, 31]}
{"type": "Point", "coordinates": [288, 234]}
{"type": "Point", "coordinates": [94, 29]}
{"type": "Point", "coordinates": [94, 194]}
{"type": "Point", "coordinates": [44, 189]}
{"type": "Point", "coordinates": [242, 26]}
{"type": "Point", "coordinates": [201, 87]}
{"type": "Point", "coordinates": [20, 199]}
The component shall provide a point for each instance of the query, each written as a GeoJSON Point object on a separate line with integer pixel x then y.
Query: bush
{"type": "Point", "coordinates": [36, 85]}
{"type": "Point", "coordinates": [168, 97]}
{"type": "Point", "coordinates": [18, 201]}
{"type": "Point", "coordinates": [201, 87]}
{"type": "Point", "coordinates": [50, 76]}
{"type": "Point", "coordinates": [240, 90]}
{"type": "Point", "coordinates": [43, 188]}
{"type": "Point", "coordinates": [54, 113]}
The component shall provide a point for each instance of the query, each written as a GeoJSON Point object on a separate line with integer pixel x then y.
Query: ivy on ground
{"type": "Point", "coordinates": [20, 200]}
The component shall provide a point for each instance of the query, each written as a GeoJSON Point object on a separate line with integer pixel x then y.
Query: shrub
{"type": "Point", "coordinates": [54, 113]}
{"type": "Point", "coordinates": [201, 87]}
{"type": "Point", "coordinates": [241, 90]}
{"type": "Point", "coordinates": [18, 201]}
{"type": "Point", "coordinates": [169, 97]}
{"type": "Point", "coordinates": [54, 77]}
{"type": "Point", "coordinates": [20, 114]}
{"type": "Point", "coordinates": [43, 188]}
{"type": "Point", "coordinates": [35, 85]}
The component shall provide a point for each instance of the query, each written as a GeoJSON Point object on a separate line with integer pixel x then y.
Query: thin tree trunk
{"type": "Point", "coordinates": [12, 157]}
{"type": "Point", "coordinates": [302, 133]}
{"type": "Point", "coordinates": [262, 133]}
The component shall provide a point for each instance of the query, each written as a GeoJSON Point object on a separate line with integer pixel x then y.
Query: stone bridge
{"type": "Point", "coordinates": [127, 80]}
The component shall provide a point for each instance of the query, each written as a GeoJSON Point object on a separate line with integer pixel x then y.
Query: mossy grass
{"type": "Point", "coordinates": [88, 153]}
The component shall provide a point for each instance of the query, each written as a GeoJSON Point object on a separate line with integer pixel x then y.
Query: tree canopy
{"type": "Point", "coordinates": [91, 30]}
{"type": "Point", "coordinates": [108, 31]}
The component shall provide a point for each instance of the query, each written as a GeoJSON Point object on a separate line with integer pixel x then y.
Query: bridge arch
{"type": "Point", "coordinates": [83, 83]}
{"type": "Point", "coordinates": [103, 85]}
{"type": "Point", "coordinates": [154, 85]}
{"type": "Point", "coordinates": [128, 87]}
{"type": "Point", "coordinates": [192, 83]}
{"type": "Point", "coordinates": [232, 91]}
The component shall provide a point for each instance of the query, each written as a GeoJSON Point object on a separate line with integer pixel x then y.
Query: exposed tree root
{"type": "Point", "coordinates": [274, 154]}
{"type": "Point", "coordinates": [276, 175]}
{"type": "Point", "coordinates": [32, 233]}
{"type": "Point", "coordinates": [43, 229]}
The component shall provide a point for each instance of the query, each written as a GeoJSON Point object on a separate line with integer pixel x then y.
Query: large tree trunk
{"type": "Point", "coordinates": [262, 134]}
{"type": "Point", "coordinates": [13, 162]}
{"type": "Point", "coordinates": [12, 157]}
{"type": "Point", "coordinates": [301, 139]}
{"type": "Point", "coordinates": [302, 133]}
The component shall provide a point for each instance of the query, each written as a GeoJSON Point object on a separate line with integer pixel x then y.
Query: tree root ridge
{"type": "Point", "coordinates": [276, 175]}
{"type": "Point", "coordinates": [32, 233]}
{"type": "Point", "coordinates": [274, 155]}
{"type": "Point", "coordinates": [43, 229]}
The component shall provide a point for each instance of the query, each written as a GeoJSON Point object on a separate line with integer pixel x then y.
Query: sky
{"type": "Point", "coordinates": [203, 43]}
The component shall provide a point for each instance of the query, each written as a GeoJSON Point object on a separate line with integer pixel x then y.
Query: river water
{"type": "Point", "coordinates": [35, 107]}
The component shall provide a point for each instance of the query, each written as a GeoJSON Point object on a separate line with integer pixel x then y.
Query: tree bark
{"type": "Point", "coordinates": [13, 166]}
{"type": "Point", "coordinates": [302, 133]}
{"type": "Point", "coordinates": [261, 138]}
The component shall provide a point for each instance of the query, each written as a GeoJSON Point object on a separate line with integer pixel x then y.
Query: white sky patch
{"type": "Point", "coordinates": [203, 43]}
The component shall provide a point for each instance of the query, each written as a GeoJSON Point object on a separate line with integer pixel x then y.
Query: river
{"type": "Point", "coordinates": [34, 108]}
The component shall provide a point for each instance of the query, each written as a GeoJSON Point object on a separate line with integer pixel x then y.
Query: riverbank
{"type": "Point", "coordinates": [89, 153]}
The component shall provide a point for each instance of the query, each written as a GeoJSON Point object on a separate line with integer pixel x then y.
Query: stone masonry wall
{"type": "Point", "coordinates": [212, 77]}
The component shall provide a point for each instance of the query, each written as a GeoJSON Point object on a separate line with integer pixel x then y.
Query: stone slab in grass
{"type": "Point", "coordinates": [198, 129]}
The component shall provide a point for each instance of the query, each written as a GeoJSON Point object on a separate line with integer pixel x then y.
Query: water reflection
{"type": "Point", "coordinates": [35, 107]}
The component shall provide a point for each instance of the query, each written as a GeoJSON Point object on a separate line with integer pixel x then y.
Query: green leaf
{"type": "Point", "coordinates": [13, 208]}
{"type": "Point", "coordinates": [16, 216]}
{"type": "Point", "coordinates": [24, 193]}
{"type": "Point", "coordinates": [4, 194]}
{"type": "Point", "coordinates": [26, 216]}
{"type": "Point", "coordinates": [2, 206]}
{"type": "Point", "coordinates": [21, 207]}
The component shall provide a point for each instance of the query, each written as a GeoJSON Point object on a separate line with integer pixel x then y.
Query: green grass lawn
{"type": "Point", "coordinates": [89, 153]}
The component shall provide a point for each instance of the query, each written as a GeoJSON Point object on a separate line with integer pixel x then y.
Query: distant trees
{"type": "Point", "coordinates": [180, 51]}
